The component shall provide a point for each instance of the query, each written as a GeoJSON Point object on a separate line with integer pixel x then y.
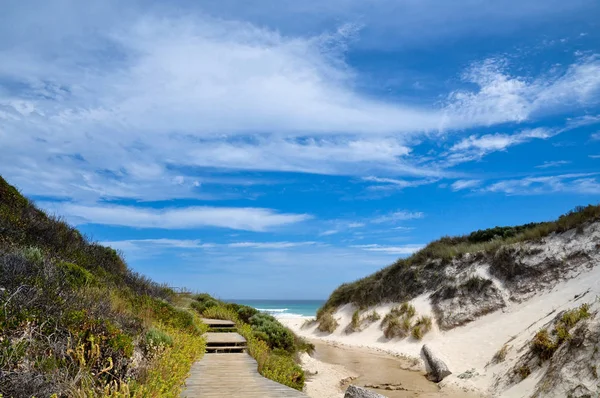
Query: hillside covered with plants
{"type": "Point", "coordinates": [75, 321]}
{"type": "Point", "coordinates": [435, 267]}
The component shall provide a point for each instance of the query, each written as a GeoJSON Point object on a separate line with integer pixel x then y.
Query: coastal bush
{"type": "Point", "coordinates": [158, 338]}
{"type": "Point", "coordinates": [355, 322]}
{"type": "Point", "coordinates": [244, 312]}
{"type": "Point", "coordinates": [277, 336]}
{"type": "Point", "coordinates": [500, 355]}
{"type": "Point", "coordinates": [220, 312]}
{"type": "Point", "coordinates": [425, 323]}
{"type": "Point", "coordinates": [417, 332]}
{"type": "Point", "coordinates": [373, 316]}
{"type": "Point", "coordinates": [543, 345]}
{"type": "Point", "coordinates": [327, 323]}
{"type": "Point", "coordinates": [523, 371]}
{"type": "Point", "coordinates": [277, 365]}
{"type": "Point", "coordinates": [395, 327]}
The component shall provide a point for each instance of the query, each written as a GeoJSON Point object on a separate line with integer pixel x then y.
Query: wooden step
{"type": "Point", "coordinates": [232, 376]}
{"type": "Point", "coordinates": [224, 338]}
{"type": "Point", "coordinates": [226, 349]}
{"type": "Point", "coordinates": [220, 323]}
{"type": "Point", "coordinates": [222, 330]}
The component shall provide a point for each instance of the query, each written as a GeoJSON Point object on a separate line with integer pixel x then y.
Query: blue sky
{"type": "Point", "coordinates": [280, 148]}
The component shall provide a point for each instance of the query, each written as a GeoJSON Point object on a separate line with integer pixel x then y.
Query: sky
{"type": "Point", "coordinates": [276, 149]}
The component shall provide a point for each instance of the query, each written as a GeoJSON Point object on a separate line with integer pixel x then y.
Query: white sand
{"type": "Point", "coordinates": [324, 379]}
{"type": "Point", "coordinates": [473, 345]}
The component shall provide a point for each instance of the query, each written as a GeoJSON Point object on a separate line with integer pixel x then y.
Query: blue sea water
{"type": "Point", "coordinates": [285, 308]}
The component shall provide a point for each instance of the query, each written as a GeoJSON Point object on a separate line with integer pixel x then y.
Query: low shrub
{"type": "Point", "coordinates": [76, 276]}
{"type": "Point", "coordinates": [220, 312]}
{"type": "Point", "coordinates": [542, 345]}
{"type": "Point", "coordinates": [417, 332]}
{"type": "Point", "coordinates": [277, 336]}
{"type": "Point", "coordinates": [157, 338]}
{"type": "Point", "coordinates": [523, 372]}
{"type": "Point", "coordinates": [500, 355]}
{"type": "Point", "coordinates": [395, 328]}
{"type": "Point", "coordinates": [327, 323]}
{"type": "Point", "coordinates": [373, 317]}
{"type": "Point", "coordinates": [571, 317]}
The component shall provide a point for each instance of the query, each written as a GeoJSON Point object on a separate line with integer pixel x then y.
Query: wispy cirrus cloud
{"type": "Point", "coordinates": [238, 218]}
{"type": "Point", "coordinates": [579, 183]}
{"type": "Point", "coordinates": [393, 184]}
{"type": "Point", "coordinates": [401, 215]}
{"type": "Point", "coordinates": [465, 184]}
{"type": "Point", "coordinates": [476, 147]}
{"type": "Point", "coordinates": [404, 249]}
{"type": "Point", "coordinates": [552, 163]}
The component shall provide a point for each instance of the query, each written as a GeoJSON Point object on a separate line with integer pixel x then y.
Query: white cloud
{"type": "Point", "coordinates": [465, 184]}
{"type": "Point", "coordinates": [595, 156]}
{"type": "Point", "coordinates": [249, 219]}
{"type": "Point", "coordinates": [381, 183]}
{"type": "Point", "coordinates": [580, 183]}
{"type": "Point", "coordinates": [401, 215]}
{"type": "Point", "coordinates": [355, 225]}
{"type": "Point", "coordinates": [595, 136]}
{"type": "Point", "coordinates": [553, 163]}
{"type": "Point", "coordinates": [502, 97]}
{"type": "Point", "coordinates": [476, 147]}
{"type": "Point", "coordinates": [134, 244]}
{"type": "Point", "coordinates": [135, 94]}
{"type": "Point", "coordinates": [404, 249]}
{"type": "Point", "coordinates": [269, 245]}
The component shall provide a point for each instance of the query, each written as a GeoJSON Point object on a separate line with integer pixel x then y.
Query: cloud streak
{"type": "Point", "coordinates": [247, 219]}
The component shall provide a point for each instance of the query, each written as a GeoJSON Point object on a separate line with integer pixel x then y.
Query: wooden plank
{"type": "Point", "coordinates": [224, 338]}
{"type": "Point", "coordinates": [232, 375]}
{"type": "Point", "coordinates": [218, 322]}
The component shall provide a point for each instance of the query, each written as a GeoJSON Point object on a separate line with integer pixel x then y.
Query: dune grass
{"type": "Point", "coordinates": [424, 270]}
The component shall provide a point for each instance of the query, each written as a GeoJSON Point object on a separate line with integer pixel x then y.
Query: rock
{"type": "Point", "coordinates": [439, 370]}
{"type": "Point", "coordinates": [359, 392]}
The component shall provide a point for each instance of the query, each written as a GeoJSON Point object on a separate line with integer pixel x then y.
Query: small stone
{"type": "Point", "coordinates": [359, 392]}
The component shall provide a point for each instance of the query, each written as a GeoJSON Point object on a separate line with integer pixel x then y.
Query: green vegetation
{"type": "Point", "coordinates": [399, 323]}
{"type": "Point", "coordinates": [523, 372]}
{"type": "Point", "coordinates": [373, 317]}
{"type": "Point", "coordinates": [424, 270]}
{"type": "Point", "coordinates": [500, 355]}
{"type": "Point", "coordinates": [327, 322]}
{"type": "Point", "coordinates": [544, 345]}
{"type": "Point", "coordinates": [272, 345]}
{"type": "Point", "coordinates": [73, 315]}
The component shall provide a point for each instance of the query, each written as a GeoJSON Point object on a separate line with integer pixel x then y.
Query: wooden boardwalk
{"type": "Point", "coordinates": [234, 374]}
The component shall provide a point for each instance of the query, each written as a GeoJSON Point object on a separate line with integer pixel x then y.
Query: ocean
{"type": "Point", "coordinates": [284, 308]}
